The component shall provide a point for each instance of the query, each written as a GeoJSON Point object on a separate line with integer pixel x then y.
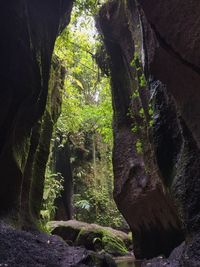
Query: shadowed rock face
{"type": "Point", "coordinates": [20, 248]}
{"type": "Point", "coordinates": [28, 32]}
{"type": "Point", "coordinates": [169, 51]}
{"type": "Point", "coordinates": [172, 57]}
{"type": "Point", "coordinates": [140, 191]}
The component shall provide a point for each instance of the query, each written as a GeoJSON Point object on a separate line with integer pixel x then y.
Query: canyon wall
{"type": "Point", "coordinates": [171, 38]}
{"type": "Point", "coordinates": [153, 54]}
{"type": "Point", "coordinates": [28, 32]}
{"type": "Point", "coordinates": [153, 49]}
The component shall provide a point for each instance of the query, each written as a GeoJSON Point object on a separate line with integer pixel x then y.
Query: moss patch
{"type": "Point", "coordinates": [101, 239]}
{"type": "Point", "coordinates": [114, 245]}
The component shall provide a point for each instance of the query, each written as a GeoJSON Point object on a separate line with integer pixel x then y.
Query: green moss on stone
{"type": "Point", "coordinates": [114, 245]}
{"type": "Point", "coordinates": [101, 239]}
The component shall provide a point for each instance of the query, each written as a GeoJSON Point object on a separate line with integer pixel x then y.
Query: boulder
{"type": "Point", "coordinates": [92, 236]}
{"type": "Point", "coordinates": [21, 248]}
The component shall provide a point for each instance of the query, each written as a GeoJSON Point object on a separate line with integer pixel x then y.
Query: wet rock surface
{"type": "Point", "coordinates": [174, 259]}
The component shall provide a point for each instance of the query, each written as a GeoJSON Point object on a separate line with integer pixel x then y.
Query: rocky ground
{"type": "Point", "coordinates": [174, 260]}
{"type": "Point", "coordinates": [22, 249]}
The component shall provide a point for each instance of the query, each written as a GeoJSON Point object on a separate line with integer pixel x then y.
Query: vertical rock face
{"type": "Point", "coordinates": [140, 189]}
{"type": "Point", "coordinates": [43, 135]}
{"type": "Point", "coordinates": [28, 32]}
{"type": "Point", "coordinates": [172, 57]}
{"type": "Point", "coordinates": [164, 36]}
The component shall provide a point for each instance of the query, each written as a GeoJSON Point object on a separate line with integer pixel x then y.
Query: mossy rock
{"type": "Point", "coordinates": [114, 245]}
{"type": "Point", "coordinates": [101, 240]}
{"type": "Point", "coordinates": [92, 236]}
{"type": "Point", "coordinates": [67, 233]}
{"type": "Point", "coordinates": [91, 240]}
{"type": "Point", "coordinates": [67, 230]}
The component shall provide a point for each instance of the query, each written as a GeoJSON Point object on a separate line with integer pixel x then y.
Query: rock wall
{"type": "Point", "coordinates": [44, 136]}
{"type": "Point", "coordinates": [28, 32]}
{"type": "Point", "coordinates": [147, 134]}
{"type": "Point", "coordinates": [172, 61]}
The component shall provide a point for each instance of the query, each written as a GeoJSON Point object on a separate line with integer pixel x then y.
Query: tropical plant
{"type": "Point", "coordinates": [86, 112]}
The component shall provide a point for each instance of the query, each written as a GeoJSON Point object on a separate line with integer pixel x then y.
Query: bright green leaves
{"type": "Point", "coordinates": [87, 111]}
{"type": "Point", "coordinates": [140, 112]}
{"type": "Point", "coordinates": [138, 146]}
{"type": "Point", "coordinates": [70, 119]}
{"type": "Point", "coordinates": [87, 98]}
{"type": "Point", "coordinates": [90, 7]}
{"type": "Point", "coordinates": [52, 190]}
{"type": "Point", "coordinates": [142, 80]}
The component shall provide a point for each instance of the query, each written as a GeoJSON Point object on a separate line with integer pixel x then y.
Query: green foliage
{"type": "Point", "coordinates": [151, 112]}
{"type": "Point", "coordinates": [87, 97]}
{"type": "Point", "coordinates": [135, 94]}
{"type": "Point", "coordinates": [137, 65]}
{"type": "Point", "coordinates": [142, 80]}
{"type": "Point", "coordinates": [101, 239]}
{"type": "Point", "coordinates": [87, 110]}
{"type": "Point", "coordinates": [53, 189]}
{"type": "Point", "coordinates": [114, 245]}
{"type": "Point", "coordinates": [134, 61]}
{"type": "Point", "coordinates": [97, 206]}
{"type": "Point", "coordinates": [138, 146]}
{"type": "Point", "coordinates": [83, 204]}
{"type": "Point", "coordinates": [134, 129]}
{"type": "Point", "coordinates": [89, 7]}
{"type": "Point", "coordinates": [141, 112]}
{"type": "Point", "coordinates": [142, 116]}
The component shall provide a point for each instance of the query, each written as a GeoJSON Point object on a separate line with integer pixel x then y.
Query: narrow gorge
{"type": "Point", "coordinates": [148, 52]}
